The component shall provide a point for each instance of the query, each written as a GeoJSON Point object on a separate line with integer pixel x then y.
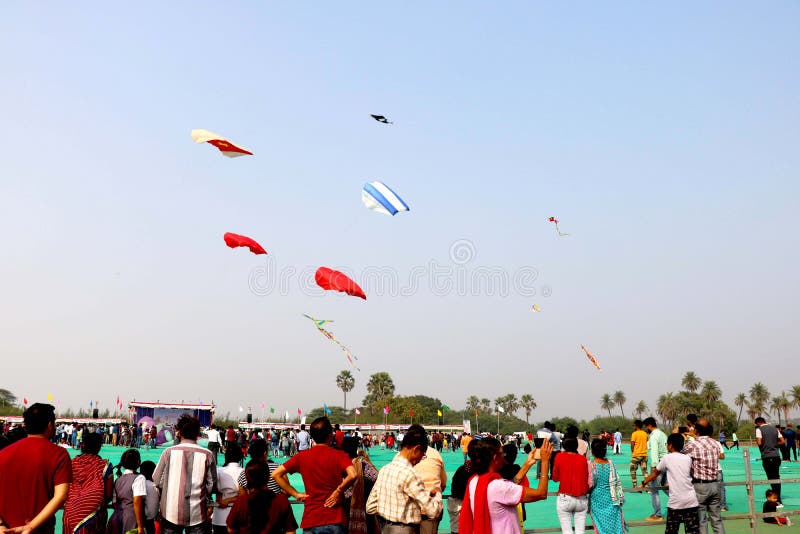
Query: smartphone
{"type": "Point", "coordinates": [537, 442]}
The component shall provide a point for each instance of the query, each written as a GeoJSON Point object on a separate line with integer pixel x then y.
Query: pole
{"type": "Point", "coordinates": [751, 503]}
{"type": "Point", "coordinates": [498, 423]}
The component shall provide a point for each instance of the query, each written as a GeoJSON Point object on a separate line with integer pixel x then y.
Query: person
{"type": "Point", "coordinates": [260, 511]}
{"type": "Point", "coordinates": [638, 451]}
{"type": "Point", "coordinates": [617, 441]}
{"type": "Point", "coordinates": [490, 502]}
{"type": "Point", "coordinates": [771, 506]}
{"type": "Point", "coordinates": [338, 436]}
{"type": "Point", "coordinates": [510, 470]}
{"type": "Point", "coordinates": [465, 439]}
{"type": "Point", "coordinates": [768, 439]}
{"type": "Point", "coordinates": [571, 471]}
{"type": "Point", "coordinates": [735, 440]}
{"type": "Point", "coordinates": [227, 489]}
{"type": "Point", "coordinates": [723, 439]}
{"type": "Point", "coordinates": [185, 469]}
{"type": "Point", "coordinates": [303, 439]}
{"type": "Point", "coordinates": [656, 450]}
{"type": "Point", "coordinates": [790, 436]}
{"type": "Point", "coordinates": [583, 445]}
{"type": "Point", "coordinates": [457, 490]}
{"type": "Point", "coordinates": [399, 496]}
{"type": "Point", "coordinates": [705, 454]}
{"type": "Point", "coordinates": [355, 497]}
{"type": "Point", "coordinates": [605, 497]}
{"type": "Point", "coordinates": [214, 438]}
{"type": "Point", "coordinates": [35, 475]}
{"type": "Point", "coordinates": [90, 491]}
{"type": "Point", "coordinates": [322, 468]}
{"type": "Point", "coordinates": [151, 499]}
{"type": "Point", "coordinates": [130, 492]}
{"type": "Point", "coordinates": [431, 471]}
{"type": "Point", "coordinates": [682, 506]}
{"type": "Point", "coordinates": [258, 453]}
{"type": "Point", "coordinates": [721, 481]}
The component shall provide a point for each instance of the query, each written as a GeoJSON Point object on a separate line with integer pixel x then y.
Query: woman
{"type": "Point", "coordinates": [606, 498]}
{"type": "Point", "coordinates": [258, 454]}
{"type": "Point", "coordinates": [571, 470]}
{"type": "Point", "coordinates": [227, 489]}
{"type": "Point", "coordinates": [490, 502]}
{"type": "Point", "coordinates": [355, 497]}
{"type": "Point", "coordinates": [90, 491]}
{"type": "Point", "coordinates": [130, 492]}
{"type": "Point", "coordinates": [260, 511]}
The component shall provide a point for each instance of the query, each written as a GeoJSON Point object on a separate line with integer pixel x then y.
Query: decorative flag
{"type": "Point", "coordinates": [439, 413]}
{"type": "Point", "coordinates": [476, 412]}
{"type": "Point", "coordinates": [386, 410]}
{"type": "Point", "coordinates": [500, 409]}
{"type": "Point", "coordinates": [226, 146]}
{"type": "Point", "coordinates": [358, 412]}
{"type": "Point", "coordinates": [50, 397]}
{"type": "Point", "coordinates": [299, 411]}
{"type": "Point", "coordinates": [262, 405]}
{"type": "Point", "coordinates": [90, 404]}
{"type": "Point", "coordinates": [445, 407]}
{"type": "Point", "coordinates": [411, 413]}
{"type": "Point", "coordinates": [241, 409]}
{"type": "Point", "coordinates": [327, 410]}
{"type": "Point", "coordinates": [271, 409]}
{"type": "Point", "coordinates": [24, 401]}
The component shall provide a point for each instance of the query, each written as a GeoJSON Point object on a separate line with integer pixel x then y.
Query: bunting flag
{"type": "Point", "coordinates": [241, 409]}
{"type": "Point", "coordinates": [262, 405]}
{"type": "Point", "coordinates": [328, 411]}
{"type": "Point", "coordinates": [500, 409]}
{"type": "Point", "coordinates": [411, 413]}
{"type": "Point", "coordinates": [50, 397]}
{"type": "Point", "coordinates": [271, 409]}
{"type": "Point", "coordinates": [358, 412]}
{"type": "Point", "coordinates": [439, 413]}
{"type": "Point", "coordinates": [24, 401]}
{"type": "Point", "coordinates": [327, 333]}
{"type": "Point", "coordinates": [299, 411]}
{"type": "Point", "coordinates": [445, 407]}
{"type": "Point", "coordinates": [386, 410]}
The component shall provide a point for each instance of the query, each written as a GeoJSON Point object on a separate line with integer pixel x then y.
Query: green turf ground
{"type": "Point", "coordinates": [543, 514]}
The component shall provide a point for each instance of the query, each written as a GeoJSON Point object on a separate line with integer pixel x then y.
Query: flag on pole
{"type": "Point", "coordinates": [445, 407]}
{"type": "Point", "coordinates": [24, 401]}
{"type": "Point", "coordinates": [358, 412]}
{"type": "Point", "coordinates": [241, 409]}
{"type": "Point", "coordinates": [500, 409]}
{"type": "Point", "coordinates": [271, 409]}
{"type": "Point", "coordinates": [50, 397]}
{"type": "Point", "coordinates": [411, 413]}
{"type": "Point", "coordinates": [328, 411]}
{"type": "Point", "coordinates": [476, 412]}
{"type": "Point", "coordinates": [386, 410]}
{"type": "Point", "coordinates": [439, 413]}
{"type": "Point", "coordinates": [299, 411]}
{"type": "Point", "coordinates": [262, 405]}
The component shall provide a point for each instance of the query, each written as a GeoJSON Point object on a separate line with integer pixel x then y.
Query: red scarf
{"type": "Point", "coordinates": [480, 522]}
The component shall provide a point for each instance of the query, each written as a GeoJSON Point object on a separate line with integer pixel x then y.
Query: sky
{"type": "Point", "coordinates": [663, 137]}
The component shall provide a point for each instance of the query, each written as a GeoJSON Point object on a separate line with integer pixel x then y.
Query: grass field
{"type": "Point", "coordinates": [543, 514]}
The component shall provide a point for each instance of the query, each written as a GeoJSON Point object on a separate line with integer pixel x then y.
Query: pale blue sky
{"type": "Point", "coordinates": [665, 138]}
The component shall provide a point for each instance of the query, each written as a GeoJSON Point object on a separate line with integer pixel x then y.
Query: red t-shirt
{"type": "Point", "coordinates": [572, 470]}
{"type": "Point", "coordinates": [322, 469]}
{"type": "Point", "coordinates": [339, 439]}
{"type": "Point", "coordinates": [30, 469]}
{"type": "Point", "coordinates": [231, 435]}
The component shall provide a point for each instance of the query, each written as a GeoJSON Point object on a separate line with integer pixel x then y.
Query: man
{"type": "Point", "coordinates": [303, 439]}
{"type": "Point", "coordinates": [213, 436]}
{"type": "Point", "coordinates": [465, 439]}
{"type": "Point", "coordinates": [705, 454]}
{"type": "Point", "coordinates": [723, 439]}
{"type": "Point", "coordinates": [791, 442]}
{"type": "Point", "coordinates": [768, 439]}
{"type": "Point", "coordinates": [186, 475]}
{"type": "Point", "coordinates": [399, 496]}
{"type": "Point", "coordinates": [617, 441]}
{"type": "Point", "coordinates": [431, 471]}
{"type": "Point", "coordinates": [735, 440]}
{"type": "Point", "coordinates": [35, 476]}
{"type": "Point", "coordinates": [638, 451]}
{"type": "Point", "coordinates": [338, 436]}
{"type": "Point", "coordinates": [322, 468]}
{"type": "Point", "coordinates": [656, 450]}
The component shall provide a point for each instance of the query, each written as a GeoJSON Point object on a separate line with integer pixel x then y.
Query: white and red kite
{"type": "Point", "coordinates": [226, 146]}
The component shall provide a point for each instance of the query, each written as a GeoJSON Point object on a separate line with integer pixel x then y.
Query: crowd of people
{"type": "Point", "coordinates": [344, 491]}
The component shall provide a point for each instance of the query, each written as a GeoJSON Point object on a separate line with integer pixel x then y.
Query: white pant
{"type": "Point", "coordinates": [569, 507]}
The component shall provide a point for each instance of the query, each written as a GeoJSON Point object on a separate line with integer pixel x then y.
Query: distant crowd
{"type": "Point", "coordinates": [344, 491]}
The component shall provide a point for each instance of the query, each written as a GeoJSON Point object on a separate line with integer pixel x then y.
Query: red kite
{"type": "Point", "coordinates": [235, 240]}
{"type": "Point", "coordinates": [334, 280]}
{"type": "Point", "coordinates": [226, 146]}
{"type": "Point", "coordinates": [555, 221]}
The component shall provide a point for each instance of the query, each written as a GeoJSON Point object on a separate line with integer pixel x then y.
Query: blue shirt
{"type": "Point", "coordinates": [790, 435]}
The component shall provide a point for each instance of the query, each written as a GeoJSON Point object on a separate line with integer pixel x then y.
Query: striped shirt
{"type": "Point", "coordinates": [704, 452]}
{"type": "Point", "coordinates": [185, 475]}
{"type": "Point", "coordinates": [399, 494]}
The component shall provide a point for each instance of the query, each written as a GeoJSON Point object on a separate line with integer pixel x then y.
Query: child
{"type": "Point", "coordinates": [130, 491]}
{"type": "Point", "coordinates": [771, 505]}
{"type": "Point", "coordinates": [682, 506]}
{"type": "Point", "coordinates": [151, 500]}
{"type": "Point", "coordinates": [259, 511]}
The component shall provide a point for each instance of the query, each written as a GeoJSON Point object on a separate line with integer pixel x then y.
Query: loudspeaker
{"type": "Point", "coordinates": [249, 418]}
{"type": "Point", "coordinates": [95, 414]}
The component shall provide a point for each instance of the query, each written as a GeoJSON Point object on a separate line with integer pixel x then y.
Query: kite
{"type": "Point", "coordinates": [591, 358]}
{"type": "Point", "coordinates": [536, 308]}
{"type": "Point", "coordinates": [235, 240]}
{"type": "Point", "coordinates": [329, 279]}
{"type": "Point", "coordinates": [555, 221]}
{"type": "Point", "coordinates": [226, 146]}
{"type": "Point", "coordinates": [319, 323]}
{"type": "Point", "coordinates": [377, 196]}
{"type": "Point", "coordinates": [381, 118]}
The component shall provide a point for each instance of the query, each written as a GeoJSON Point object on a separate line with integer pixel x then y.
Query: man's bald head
{"type": "Point", "coordinates": [703, 427]}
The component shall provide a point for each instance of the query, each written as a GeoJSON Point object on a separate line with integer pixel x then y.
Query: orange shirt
{"type": "Point", "coordinates": [465, 443]}
{"type": "Point", "coordinates": [638, 443]}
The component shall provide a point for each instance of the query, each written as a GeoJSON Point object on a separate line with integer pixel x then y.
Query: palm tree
{"type": "Point", "coordinates": [775, 407]}
{"type": "Point", "coordinates": [667, 408]}
{"type": "Point", "coordinates": [783, 404]}
{"type": "Point", "coordinates": [528, 404]}
{"type": "Point", "coordinates": [345, 382]}
{"type": "Point", "coordinates": [759, 394]}
{"type": "Point", "coordinates": [473, 403]}
{"type": "Point", "coordinates": [691, 381]}
{"type": "Point", "coordinates": [486, 404]}
{"type": "Point", "coordinates": [606, 403]}
{"type": "Point", "coordinates": [619, 400]}
{"type": "Point", "coordinates": [795, 393]}
{"type": "Point", "coordinates": [640, 410]}
{"type": "Point", "coordinates": [740, 400]}
{"type": "Point", "coordinates": [710, 393]}
{"type": "Point", "coordinates": [379, 388]}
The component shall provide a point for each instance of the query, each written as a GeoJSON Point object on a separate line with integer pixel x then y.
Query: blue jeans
{"type": "Point", "coordinates": [326, 529]}
{"type": "Point", "coordinates": [654, 496]}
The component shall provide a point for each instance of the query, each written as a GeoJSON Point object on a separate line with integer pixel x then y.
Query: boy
{"type": "Point", "coordinates": [771, 505]}
{"type": "Point", "coordinates": [682, 506]}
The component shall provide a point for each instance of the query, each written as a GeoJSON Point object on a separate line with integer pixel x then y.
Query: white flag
{"type": "Point", "coordinates": [241, 409]}
{"type": "Point", "coordinates": [500, 409]}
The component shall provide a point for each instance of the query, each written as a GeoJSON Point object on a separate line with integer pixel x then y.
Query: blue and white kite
{"type": "Point", "coordinates": [378, 197]}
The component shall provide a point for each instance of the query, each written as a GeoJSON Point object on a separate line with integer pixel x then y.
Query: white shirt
{"type": "Point", "coordinates": [228, 486]}
{"type": "Point", "coordinates": [213, 435]}
{"type": "Point", "coordinates": [679, 477]}
{"type": "Point", "coordinates": [139, 486]}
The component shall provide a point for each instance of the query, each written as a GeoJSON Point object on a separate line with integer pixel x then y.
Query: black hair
{"type": "Point", "coordinates": [599, 448]}
{"type": "Point", "coordinates": [91, 443]}
{"type": "Point", "coordinates": [769, 493]}
{"type": "Point", "coordinates": [258, 449]}
{"type": "Point", "coordinates": [147, 468]}
{"type": "Point", "coordinates": [321, 430]}
{"type": "Point", "coordinates": [510, 453]}
{"type": "Point", "coordinates": [650, 421]}
{"type": "Point", "coordinates": [38, 416]}
{"type": "Point", "coordinates": [704, 429]}
{"type": "Point", "coordinates": [188, 426]}
{"type": "Point", "coordinates": [130, 460]}
{"type": "Point", "coordinates": [527, 448]}
{"type": "Point", "coordinates": [415, 435]}
{"type": "Point", "coordinates": [638, 423]}
{"type": "Point", "coordinates": [569, 444]}
{"type": "Point", "coordinates": [350, 446]}
{"type": "Point", "coordinates": [572, 432]}
{"type": "Point", "coordinates": [482, 452]}
{"type": "Point", "coordinates": [259, 496]}
{"type": "Point", "coordinates": [677, 441]}
{"type": "Point", "coordinates": [692, 418]}
{"type": "Point", "coordinates": [233, 455]}
{"type": "Point", "coordinates": [760, 420]}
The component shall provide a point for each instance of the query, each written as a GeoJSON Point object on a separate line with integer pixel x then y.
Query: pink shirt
{"type": "Point", "coordinates": [504, 496]}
